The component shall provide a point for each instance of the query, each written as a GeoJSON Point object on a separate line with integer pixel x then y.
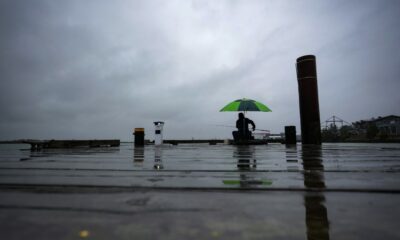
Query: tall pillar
{"type": "Point", "coordinates": [308, 100]}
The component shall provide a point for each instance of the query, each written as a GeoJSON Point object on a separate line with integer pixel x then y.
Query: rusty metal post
{"type": "Point", "coordinates": [139, 136]}
{"type": "Point", "coordinates": [290, 134]}
{"type": "Point", "coordinates": [308, 99]}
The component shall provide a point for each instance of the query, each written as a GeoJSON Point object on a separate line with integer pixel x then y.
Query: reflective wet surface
{"type": "Point", "coordinates": [366, 167]}
{"type": "Point", "coordinates": [272, 157]}
{"type": "Point", "coordinates": [333, 191]}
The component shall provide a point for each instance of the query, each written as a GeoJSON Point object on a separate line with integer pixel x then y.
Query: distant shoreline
{"type": "Point", "coordinates": [366, 141]}
{"type": "Point", "coordinates": [11, 142]}
{"type": "Point", "coordinates": [272, 141]}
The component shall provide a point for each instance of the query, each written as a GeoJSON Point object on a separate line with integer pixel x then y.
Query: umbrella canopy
{"type": "Point", "coordinates": [245, 105]}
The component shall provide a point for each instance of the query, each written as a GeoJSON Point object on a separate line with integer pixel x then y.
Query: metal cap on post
{"type": "Point", "coordinates": [308, 100]}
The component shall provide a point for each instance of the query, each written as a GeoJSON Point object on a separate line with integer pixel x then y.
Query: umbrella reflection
{"type": "Point", "coordinates": [317, 221]}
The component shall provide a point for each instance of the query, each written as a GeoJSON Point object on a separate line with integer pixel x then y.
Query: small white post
{"type": "Point", "coordinates": [158, 135]}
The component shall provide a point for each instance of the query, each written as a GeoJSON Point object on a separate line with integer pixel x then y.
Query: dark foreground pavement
{"type": "Point", "coordinates": [110, 213]}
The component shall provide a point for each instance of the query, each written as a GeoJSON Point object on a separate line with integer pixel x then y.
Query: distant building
{"type": "Point", "coordinates": [389, 125]}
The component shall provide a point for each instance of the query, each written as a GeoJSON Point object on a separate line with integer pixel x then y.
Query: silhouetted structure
{"type": "Point", "coordinates": [333, 120]}
{"type": "Point", "coordinates": [290, 134]}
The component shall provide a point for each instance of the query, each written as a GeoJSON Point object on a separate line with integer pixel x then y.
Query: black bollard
{"type": "Point", "coordinates": [308, 97]}
{"type": "Point", "coordinates": [139, 136]}
{"type": "Point", "coordinates": [290, 135]}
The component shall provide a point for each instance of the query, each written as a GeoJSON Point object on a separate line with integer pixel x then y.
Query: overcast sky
{"type": "Point", "coordinates": [98, 69]}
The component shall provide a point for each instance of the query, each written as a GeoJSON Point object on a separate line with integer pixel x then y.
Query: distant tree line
{"type": "Point", "coordinates": [344, 133]}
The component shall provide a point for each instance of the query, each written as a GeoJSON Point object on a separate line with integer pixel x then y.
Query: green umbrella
{"type": "Point", "coordinates": [245, 105]}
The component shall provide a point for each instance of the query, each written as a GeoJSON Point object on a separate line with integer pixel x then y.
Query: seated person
{"type": "Point", "coordinates": [243, 133]}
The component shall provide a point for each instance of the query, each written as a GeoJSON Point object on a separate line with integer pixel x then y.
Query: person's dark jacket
{"type": "Point", "coordinates": [244, 123]}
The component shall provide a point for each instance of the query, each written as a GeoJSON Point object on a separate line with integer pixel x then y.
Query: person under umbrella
{"type": "Point", "coordinates": [242, 124]}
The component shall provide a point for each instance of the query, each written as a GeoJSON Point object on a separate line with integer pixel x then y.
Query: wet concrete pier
{"type": "Point", "coordinates": [201, 191]}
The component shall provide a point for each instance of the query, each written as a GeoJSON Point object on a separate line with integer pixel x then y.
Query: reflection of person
{"type": "Point", "coordinates": [242, 124]}
{"type": "Point", "coordinates": [245, 157]}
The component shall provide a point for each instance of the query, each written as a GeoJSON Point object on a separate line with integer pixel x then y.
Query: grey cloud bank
{"type": "Point", "coordinates": [97, 69]}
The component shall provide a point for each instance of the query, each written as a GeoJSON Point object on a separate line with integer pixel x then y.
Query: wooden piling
{"type": "Point", "coordinates": [308, 100]}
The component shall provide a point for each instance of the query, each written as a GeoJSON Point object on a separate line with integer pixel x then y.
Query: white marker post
{"type": "Point", "coordinates": [158, 136]}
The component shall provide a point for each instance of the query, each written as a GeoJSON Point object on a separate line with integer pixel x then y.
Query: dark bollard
{"type": "Point", "coordinates": [290, 135]}
{"type": "Point", "coordinates": [139, 136]}
{"type": "Point", "coordinates": [308, 97]}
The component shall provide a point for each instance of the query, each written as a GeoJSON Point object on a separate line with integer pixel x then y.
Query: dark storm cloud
{"type": "Point", "coordinates": [63, 65]}
{"type": "Point", "coordinates": [92, 69]}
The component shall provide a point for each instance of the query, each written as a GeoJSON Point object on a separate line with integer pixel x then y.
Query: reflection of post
{"type": "Point", "coordinates": [316, 217]}
{"type": "Point", "coordinates": [158, 137]}
{"type": "Point", "coordinates": [292, 158]}
{"type": "Point", "coordinates": [316, 213]}
{"type": "Point", "coordinates": [158, 165]}
{"type": "Point", "coordinates": [313, 167]}
{"type": "Point", "coordinates": [138, 155]}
